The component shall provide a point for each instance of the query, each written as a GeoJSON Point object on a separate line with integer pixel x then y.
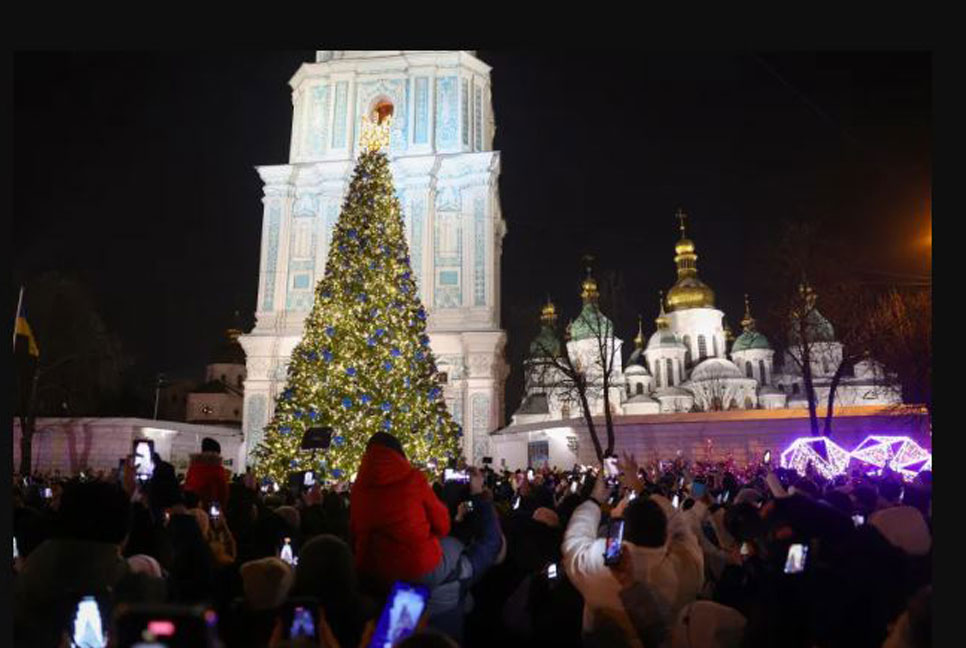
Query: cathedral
{"type": "Point", "coordinates": [446, 175]}
{"type": "Point", "coordinates": [689, 364]}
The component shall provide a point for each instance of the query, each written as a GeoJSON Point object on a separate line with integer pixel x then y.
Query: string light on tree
{"type": "Point", "coordinates": [364, 364]}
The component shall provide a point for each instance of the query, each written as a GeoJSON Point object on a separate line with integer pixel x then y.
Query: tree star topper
{"type": "Point", "coordinates": [375, 135]}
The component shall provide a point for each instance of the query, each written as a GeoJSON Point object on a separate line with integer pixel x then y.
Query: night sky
{"type": "Point", "coordinates": [134, 172]}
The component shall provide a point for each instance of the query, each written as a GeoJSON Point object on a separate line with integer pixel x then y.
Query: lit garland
{"type": "Point", "coordinates": [364, 364]}
{"type": "Point", "coordinates": [827, 457]}
{"type": "Point", "coordinates": [899, 453]}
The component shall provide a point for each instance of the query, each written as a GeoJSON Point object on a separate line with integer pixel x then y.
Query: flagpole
{"type": "Point", "coordinates": [16, 317]}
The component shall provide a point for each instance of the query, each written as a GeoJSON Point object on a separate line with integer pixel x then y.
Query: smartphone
{"type": "Point", "coordinates": [458, 476]}
{"type": "Point", "coordinates": [16, 552]}
{"type": "Point", "coordinates": [516, 502]}
{"type": "Point", "coordinates": [144, 458]}
{"type": "Point", "coordinates": [469, 506]}
{"type": "Point", "coordinates": [681, 483]}
{"type": "Point", "coordinates": [552, 571]}
{"type": "Point", "coordinates": [160, 626]}
{"type": "Point", "coordinates": [717, 498]}
{"type": "Point", "coordinates": [796, 559]}
{"type": "Point", "coordinates": [48, 493]}
{"type": "Point", "coordinates": [767, 457]}
{"type": "Point", "coordinates": [214, 511]}
{"type": "Point", "coordinates": [401, 614]}
{"type": "Point", "coordinates": [612, 548]}
{"type": "Point", "coordinates": [573, 487]}
{"type": "Point", "coordinates": [89, 629]}
{"type": "Point", "coordinates": [745, 549]}
{"type": "Point", "coordinates": [675, 501]}
{"type": "Point", "coordinates": [858, 520]}
{"type": "Point", "coordinates": [530, 475]}
{"type": "Point", "coordinates": [302, 619]}
{"type": "Point", "coordinates": [632, 496]}
{"type": "Point", "coordinates": [727, 494]}
{"type": "Point", "coordinates": [610, 466]}
{"type": "Point", "coordinates": [309, 478]}
{"type": "Point", "coordinates": [287, 553]}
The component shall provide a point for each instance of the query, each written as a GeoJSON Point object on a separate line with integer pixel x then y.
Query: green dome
{"type": "Point", "coordinates": [590, 323]}
{"type": "Point", "coordinates": [817, 328]}
{"type": "Point", "coordinates": [545, 341]}
{"type": "Point", "coordinates": [750, 340]}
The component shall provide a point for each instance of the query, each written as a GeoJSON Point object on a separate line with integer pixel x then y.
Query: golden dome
{"type": "Point", "coordinates": [688, 291]}
{"type": "Point", "coordinates": [588, 290]}
{"type": "Point", "coordinates": [639, 339]}
{"type": "Point", "coordinates": [662, 320]}
{"type": "Point", "coordinates": [548, 314]}
{"type": "Point", "coordinates": [684, 246]}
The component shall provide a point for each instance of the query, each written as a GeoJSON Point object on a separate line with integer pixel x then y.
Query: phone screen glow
{"type": "Point", "coordinates": [88, 629]}
{"type": "Point", "coordinates": [795, 563]}
{"type": "Point", "coordinates": [615, 536]}
{"type": "Point", "coordinates": [401, 614]}
{"type": "Point", "coordinates": [302, 624]}
{"type": "Point", "coordinates": [675, 501]}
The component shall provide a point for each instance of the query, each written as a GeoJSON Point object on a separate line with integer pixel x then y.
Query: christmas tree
{"type": "Point", "coordinates": [364, 364]}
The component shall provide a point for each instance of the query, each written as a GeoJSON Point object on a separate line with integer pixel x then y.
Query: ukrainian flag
{"type": "Point", "coordinates": [23, 329]}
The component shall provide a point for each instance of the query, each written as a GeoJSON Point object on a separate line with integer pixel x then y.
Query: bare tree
{"type": "Point", "coordinates": [588, 376]}
{"type": "Point", "coordinates": [901, 338]}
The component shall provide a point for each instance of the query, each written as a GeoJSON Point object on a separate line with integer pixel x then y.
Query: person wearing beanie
{"type": "Point", "coordinates": [395, 517]}
{"type": "Point", "coordinates": [326, 572]}
{"type": "Point", "coordinates": [206, 477]}
{"type": "Point", "coordinates": [266, 583]}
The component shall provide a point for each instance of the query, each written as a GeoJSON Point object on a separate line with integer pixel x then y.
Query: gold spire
{"type": "Point", "coordinates": [748, 323]}
{"type": "Point", "coordinates": [639, 340]}
{"type": "Point", "coordinates": [808, 295]}
{"type": "Point", "coordinates": [589, 291]}
{"type": "Point", "coordinates": [375, 134]}
{"type": "Point", "coordinates": [661, 321]}
{"type": "Point", "coordinates": [548, 314]}
{"type": "Point", "coordinates": [688, 291]}
{"type": "Point", "coordinates": [729, 335]}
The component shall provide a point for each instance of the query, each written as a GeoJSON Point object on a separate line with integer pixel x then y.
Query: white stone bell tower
{"type": "Point", "coordinates": [445, 172]}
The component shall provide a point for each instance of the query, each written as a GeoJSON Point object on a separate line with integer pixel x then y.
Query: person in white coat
{"type": "Point", "coordinates": [665, 554]}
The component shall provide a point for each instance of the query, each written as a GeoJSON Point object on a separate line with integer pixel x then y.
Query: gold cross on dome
{"type": "Point", "coordinates": [680, 215]}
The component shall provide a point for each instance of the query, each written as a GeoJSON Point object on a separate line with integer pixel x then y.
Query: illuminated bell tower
{"type": "Point", "coordinates": [446, 174]}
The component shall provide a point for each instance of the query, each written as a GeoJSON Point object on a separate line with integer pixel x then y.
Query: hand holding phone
{"type": "Point", "coordinates": [796, 559]}
{"type": "Point", "coordinates": [402, 613]}
{"type": "Point", "coordinates": [612, 547]}
{"type": "Point", "coordinates": [214, 511]}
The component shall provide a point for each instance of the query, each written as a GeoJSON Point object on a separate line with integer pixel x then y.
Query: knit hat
{"type": "Point", "coordinates": [705, 624]}
{"type": "Point", "coordinates": [547, 516]}
{"type": "Point", "coordinates": [144, 564]}
{"type": "Point", "coordinates": [387, 440]}
{"type": "Point", "coordinates": [266, 583]}
{"type": "Point", "coordinates": [904, 527]}
{"type": "Point", "coordinates": [291, 516]}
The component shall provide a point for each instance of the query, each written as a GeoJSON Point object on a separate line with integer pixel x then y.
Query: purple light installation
{"type": "Point", "coordinates": [899, 453]}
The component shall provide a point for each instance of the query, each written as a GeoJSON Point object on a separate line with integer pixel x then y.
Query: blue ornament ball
{"type": "Point", "coordinates": [327, 355]}
{"type": "Point", "coordinates": [387, 424]}
{"type": "Point", "coordinates": [387, 365]}
{"type": "Point", "coordinates": [339, 440]}
{"type": "Point", "coordinates": [396, 352]}
{"type": "Point", "coordinates": [386, 406]}
{"type": "Point", "coordinates": [330, 330]}
{"type": "Point", "coordinates": [350, 371]}
{"type": "Point", "coordinates": [337, 472]}
{"type": "Point", "coordinates": [346, 402]}
{"type": "Point", "coordinates": [365, 398]}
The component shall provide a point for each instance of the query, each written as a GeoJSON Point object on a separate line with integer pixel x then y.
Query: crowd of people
{"type": "Point", "coordinates": [670, 554]}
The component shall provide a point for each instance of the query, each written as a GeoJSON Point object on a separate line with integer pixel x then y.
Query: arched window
{"type": "Point", "coordinates": [716, 404]}
{"type": "Point", "coordinates": [565, 412]}
{"type": "Point", "coordinates": [733, 404]}
{"type": "Point", "coordinates": [794, 388]}
{"type": "Point", "coordinates": [748, 369]}
{"type": "Point", "coordinates": [670, 371]}
{"type": "Point", "coordinates": [687, 352]}
{"type": "Point", "coordinates": [680, 371]}
{"type": "Point", "coordinates": [748, 403]}
{"type": "Point", "coordinates": [702, 347]}
{"type": "Point", "coordinates": [640, 388]}
{"type": "Point", "coordinates": [714, 344]}
{"type": "Point", "coordinates": [762, 376]}
{"type": "Point", "coordinates": [824, 365]}
{"type": "Point", "coordinates": [657, 375]}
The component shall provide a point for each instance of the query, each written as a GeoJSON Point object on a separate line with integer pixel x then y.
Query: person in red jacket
{"type": "Point", "coordinates": [206, 477]}
{"type": "Point", "coordinates": [395, 518]}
